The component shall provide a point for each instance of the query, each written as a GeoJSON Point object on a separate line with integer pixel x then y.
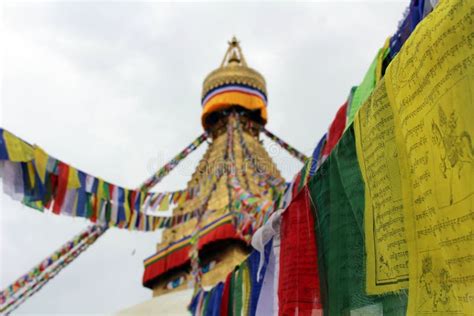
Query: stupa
{"type": "Point", "coordinates": [234, 108]}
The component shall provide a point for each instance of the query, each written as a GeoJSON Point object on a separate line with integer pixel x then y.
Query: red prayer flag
{"type": "Point", "coordinates": [111, 191]}
{"type": "Point", "coordinates": [133, 194]}
{"type": "Point", "coordinates": [335, 130]}
{"type": "Point", "coordinates": [298, 286]}
{"type": "Point", "coordinates": [296, 182]}
{"type": "Point", "coordinates": [63, 173]}
{"type": "Point", "coordinates": [95, 207]}
{"type": "Point", "coordinates": [225, 296]}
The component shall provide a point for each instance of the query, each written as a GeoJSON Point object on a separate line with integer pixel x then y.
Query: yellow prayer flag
{"type": "Point", "coordinates": [182, 198]}
{"type": "Point", "coordinates": [74, 206]}
{"type": "Point", "coordinates": [41, 162]}
{"type": "Point", "coordinates": [142, 201]}
{"type": "Point", "coordinates": [176, 196]}
{"type": "Point", "coordinates": [73, 179]}
{"type": "Point", "coordinates": [165, 203]}
{"type": "Point", "coordinates": [126, 205]}
{"type": "Point", "coordinates": [155, 223]}
{"type": "Point", "coordinates": [430, 85]}
{"type": "Point", "coordinates": [141, 221]}
{"type": "Point", "coordinates": [18, 150]}
{"type": "Point", "coordinates": [31, 173]}
{"type": "Point", "coordinates": [385, 239]}
{"type": "Point", "coordinates": [245, 288]}
{"type": "Point", "coordinates": [100, 189]}
{"type": "Point", "coordinates": [133, 221]}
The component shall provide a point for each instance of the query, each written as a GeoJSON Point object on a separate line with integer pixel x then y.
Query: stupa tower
{"type": "Point", "coordinates": [234, 107]}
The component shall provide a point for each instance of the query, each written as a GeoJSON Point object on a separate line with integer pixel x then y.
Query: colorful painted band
{"type": "Point", "coordinates": [233, 88]}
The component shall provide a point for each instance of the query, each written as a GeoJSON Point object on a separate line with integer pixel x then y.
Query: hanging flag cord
{"type": "Point", "coordinates": [259, 207]}
{"type": "Point", "coordinates": [196, 271]}
{"type": "Point", "coordinates": [167, 168]}
{"type": "Point", "coordinates": [291, 150]}
{"type": "Point", "coordinates": [260, 171]}
{"type": "Point", "coordinates": [26, 286]}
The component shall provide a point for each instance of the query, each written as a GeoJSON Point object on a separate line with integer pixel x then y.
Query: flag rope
{"type": "Point", "coordinates": [261, 173]}
{"type": "Point", "coordinates": [48, 269]}
{"type": "Point", "coordinates": [168, 167]}
{"type": "Point", "coordinates": [291, 150]}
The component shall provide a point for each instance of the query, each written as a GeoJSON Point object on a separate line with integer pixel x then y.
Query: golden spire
{"type": "Point", "coordinates": [234, 54]}
{"type": "Point", "coordinates": [234, 70]}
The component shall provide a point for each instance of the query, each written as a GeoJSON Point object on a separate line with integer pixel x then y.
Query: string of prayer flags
{"type": "Point", "coordinates": [240, 292]}
{"type": "Point", "coordinates": [267, 178]}
{"type": "Point", "coordinates": [31, 277]}
{"type": "Point", "coordinates": [294, 152]}
{"type": "Point", "coordinates": [43, 276]}
{"type": "Point", "coordinates": [339, 300]}
{"type": "Point", "coordinates": [42, 182]}
{"type": "Point", "coordinates": [257, 208]}
{"type": "Point", "coordinates": [167, 168]}
{"type": "Point", "coordinates": [199, 213]}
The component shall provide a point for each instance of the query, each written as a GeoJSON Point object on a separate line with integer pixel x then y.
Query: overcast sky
{"type": "Point", "coordinates": [113, 88]}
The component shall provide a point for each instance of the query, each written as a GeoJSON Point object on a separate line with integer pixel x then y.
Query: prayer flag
{"type": "Point", "coordinates": [18, 150]}
{"type": "Point", "coordinates": [12, 180]}
{"type": "Point", "coordinates": [3, 146]}
{"type": "Point", "coordinates": [164, 205]}
{"type": "Point", "coordinates": [81, 208]}
{"type": "Point", "coordinates": [298, 289]}
{"type": "Point", "coordinates": [73, 179]}
{"type": "Point", "coordinates": [335, 131]}
{"type": "Point", "coordinates": [430, 88]}
{"type": "Point", "coordinates": [385, 236]}
{"type": "Point", "coordinates": [41, 162]}
{"type": "Point", "coordinates": [62, 187]}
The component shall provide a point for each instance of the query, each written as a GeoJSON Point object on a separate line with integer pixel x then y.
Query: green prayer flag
{"type": "Point", "coordinates": [237, 291]}
{"type": "Point", "coordinates": [337, 191]}
{"type": "Point", "coordinates": [363, 91]}
{"type": "Point", "coordinates": [105, 192]}
{"type": "Point", "coordinates": [206, 300]}
{"type": "Point", "coordinates": [37, 205]}
{"type": "Point", "coordinates": [108, 211]}
{"type": "Point", "coordinates": [230, 308]}
{"type": "Point", "coordinates": [319, 195]}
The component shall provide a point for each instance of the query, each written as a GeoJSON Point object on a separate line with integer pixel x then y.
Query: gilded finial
{"type": "Point", "coordinates": [234, 42]}
{"type": "Point", "coordinates": [234, 54]}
